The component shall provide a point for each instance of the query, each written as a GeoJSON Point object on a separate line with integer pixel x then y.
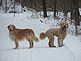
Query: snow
{"type": "Point", "coordinates": [71, 51]}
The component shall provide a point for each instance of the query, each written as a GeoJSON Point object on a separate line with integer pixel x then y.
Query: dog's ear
{"type": "Point", "coordinates": [8, 26]}
{"type": "Point", "coordinates": [66, 23]}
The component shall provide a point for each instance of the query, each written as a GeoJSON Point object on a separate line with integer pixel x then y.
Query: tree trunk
{"type": "Point", "coordinates": [0, 2]}
{"type": "Point", "coordinates": [55, 2]}
{"type": "Point", "coordinates": [44, 8]}
{"type": "Point", "coordinates": [76, 12]}
{"type": "Point", "coordinates": [14, 8]}
{"type": "Point", "coordinates": [6, 6]}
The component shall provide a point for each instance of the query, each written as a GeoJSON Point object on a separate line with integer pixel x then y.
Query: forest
{"type": "Point", "coordinates": [55, 6]}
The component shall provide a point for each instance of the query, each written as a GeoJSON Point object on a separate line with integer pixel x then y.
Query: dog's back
{"type": "Point", "coordinates": [22, 33]}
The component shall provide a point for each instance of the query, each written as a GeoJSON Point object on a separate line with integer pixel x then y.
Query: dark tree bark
{"type": "Point", "coordinates": [76, 13]}
{"type": "Point", "coordinates": [0, 2]}
{"type": "Point", "coordinates": [6, 6]}
{"type": "Point", "coordinates": [14, 8]}
{"type": "Point", "coordinates": [44, 8]}
{"type": "Point", "coordinates": [71, 10]}
{"type": "Point", "coordinates": [77, 22]}
{"type": "Point", "coordinates": [55, 2]}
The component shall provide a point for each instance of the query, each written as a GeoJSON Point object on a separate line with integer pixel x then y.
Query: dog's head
{"type": "Point", "coordinates": [42, 35]}
{"type": "Point", "coordinates": [64, 24]}
{"type": "Point", "coordinates": [11, 27]}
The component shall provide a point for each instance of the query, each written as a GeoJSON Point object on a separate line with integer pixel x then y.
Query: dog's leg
{"type": "Point", "coordinates": [16, 44]}
{"type": "Point", "coordinates": [60, 41]}
{"type": "Point", "coordinates": [51, 42]}
{"type": "Point", "coordinates": [31, 43]}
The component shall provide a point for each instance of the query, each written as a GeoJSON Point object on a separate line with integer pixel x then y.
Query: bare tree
{"type": "Point", "coordinates": [6, 6]}
{"type": "Point", "coordinates": [75, 13]}
{"type": "Point", "coordinates": [44, 8]}
{"type": "Point", "coordinates": [14, 8]}
{"type": "Point", "coordinates": [76, 8]}
{"type": "Point", "coordinates": [55, 3]}
{"type": "Point", "coordinates": [0, 2]}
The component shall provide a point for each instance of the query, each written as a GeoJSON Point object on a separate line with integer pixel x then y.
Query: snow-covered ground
{"type": "Point", "coordinates": [71, 51]}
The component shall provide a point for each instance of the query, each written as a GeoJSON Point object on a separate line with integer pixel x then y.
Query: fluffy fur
{"type": "Point", "coordinates": [59, 32]}
{"type": "Point", "coordinates": [19, 34]}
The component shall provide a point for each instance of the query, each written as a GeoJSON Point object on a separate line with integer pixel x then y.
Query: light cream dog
{"type": "Point", "coordinates": [59, 32]}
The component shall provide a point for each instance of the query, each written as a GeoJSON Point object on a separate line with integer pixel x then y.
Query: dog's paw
{"type": "Point", "coordinates": [15, 48]}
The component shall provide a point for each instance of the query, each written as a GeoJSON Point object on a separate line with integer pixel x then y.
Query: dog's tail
{"type": "Point", "coordinates": [36, 39]}
{"type": "Point", "coordinates": [42, 35]}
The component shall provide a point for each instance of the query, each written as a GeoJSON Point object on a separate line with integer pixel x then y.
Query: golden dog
{"type": "Point", "coordinates": [19, 34]}
{"type": "Point", "coordinates": [59, 32]}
